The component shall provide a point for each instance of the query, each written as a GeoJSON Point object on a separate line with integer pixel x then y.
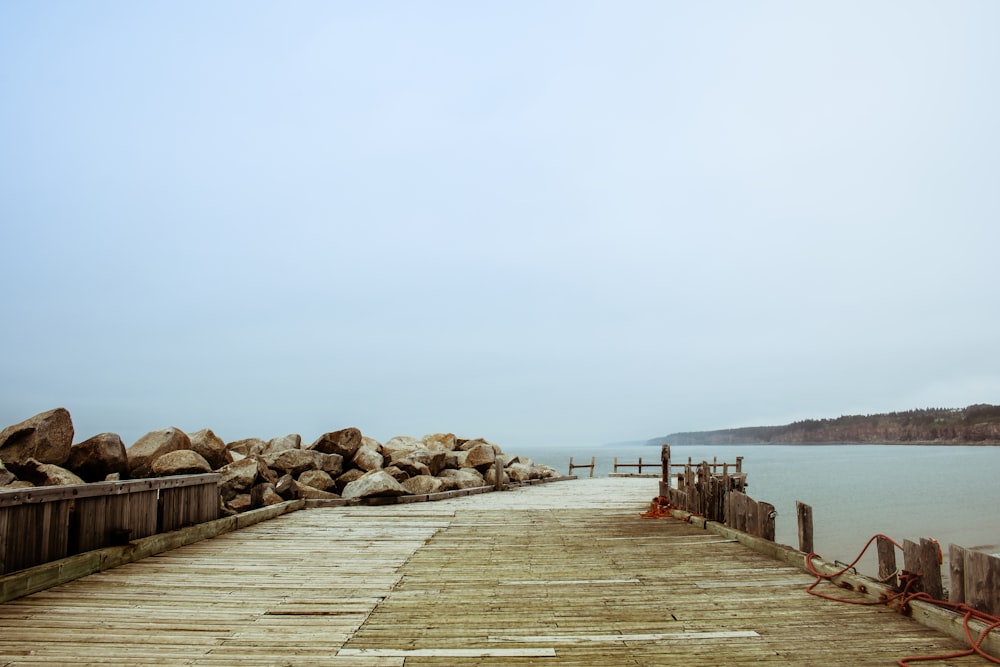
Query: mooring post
{"type": "Point", "coordinates": [498, 474]}
{"type": "Point", "coordinates": [886, 561]}
{"type": "Point", "coordinates": [805, 514]}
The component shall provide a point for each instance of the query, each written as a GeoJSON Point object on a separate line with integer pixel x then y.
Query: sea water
{"type": "Point", "coordinates": [948, 493]}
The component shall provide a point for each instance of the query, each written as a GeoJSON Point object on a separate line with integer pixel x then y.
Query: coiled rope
{"type": "Point", "coordinates": [905, 596]}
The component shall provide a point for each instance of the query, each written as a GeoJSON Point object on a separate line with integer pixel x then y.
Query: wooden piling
{"type": "Point", "coordinates": [805, 517]}
{"type": "Point", "coordinates": [886, 561]}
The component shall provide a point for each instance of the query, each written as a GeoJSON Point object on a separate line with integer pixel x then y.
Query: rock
{"type": "Point", "coordinates": [285, 487]}
{"type": "Point", "coordinates": [466, 478]}
{"type": "Point", "coordinates": [46, 474]}
{"type": "Point", "coordinates": [411, 467]}
{"type": "Point", "coordinates": [375, 484]}
{"type": "Point", "coordinates": [239, 503]}
{"type": "Point", "coordinates": [263, 495]}
{"type": "Point", "coordinates": [152, 446]}
{"type": "Point", "coordinates": [6, 476]}
{"type": "Point", "coordinates": [401, 443]}
{"type": "Point", "coordinates": [519, 472]}
{"type": "Point", "coordinates": [239, 477]}
{"type": "Point", "coordinates": [293, 461]}
{"type": "Point", "coordinates": [435, 459]}
{"type": "Point", "coordinates": [423, 484]}
{"type": "Point", "coordinates": [539, 471]}
{"type": "Point", "coordinates": [466, 445]}
{"type": "Point", "coordinates": [212, 447]}
{"type": "Point", "coordinates": [480, 457]}
{"type": "Point", "coordinates": [96, 458]}
{"type": "Point", "coordinates": [180, 462]}
{"type": "Point", "coordinates": [443, 441]}
{"type": "Point", "coordinates": [47, 438]}
{"type": "Point", "coordinates": [368, 459]}
{"type": "Point", "coordinates": [344, 442]}
{"type": "Point", "coordinates": [292, 441]}
{"type": "Point", "coordinates": [455, 460]}
{"type": "Point", "coordinates": [19, 484]}
{"type": "Point", "coordinates": [490, 478]}
{"type": "Point", "coordinates": [318, 479]}
{"type": "Point", "coordinates": [306, 492]}
{"type": "Point", "coordinates": [397, 474]}
{"type": "Point", "coordinates": [248, 446]}
{"type": "Point", "coordinates": [331, 464]}
{"type": "Point", "coordinates": [348, 477]}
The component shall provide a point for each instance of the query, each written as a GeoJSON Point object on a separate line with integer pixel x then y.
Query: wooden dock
{"type": "Point", "coordinates": [557, 574]}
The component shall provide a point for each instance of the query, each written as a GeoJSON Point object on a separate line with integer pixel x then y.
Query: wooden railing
{"type": "Point", "coordinates": [42, 524]}
{"type": "Point", "coordinates": [574, 466]}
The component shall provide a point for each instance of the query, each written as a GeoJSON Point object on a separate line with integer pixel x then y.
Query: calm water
{"type": "Point", "coordinates": [949, 493]}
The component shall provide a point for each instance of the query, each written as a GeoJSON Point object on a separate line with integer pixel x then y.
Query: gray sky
{"type": "Point", "coordinates": [558, 222]}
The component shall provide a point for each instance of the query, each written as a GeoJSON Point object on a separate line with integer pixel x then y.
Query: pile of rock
{"type": "Point", "coordinates": [341, 464]}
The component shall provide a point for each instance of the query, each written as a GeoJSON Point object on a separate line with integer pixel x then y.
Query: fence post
{"type": "Point", "coordinates": [886, 561]}
{"type": "Point", "coordinates": [805, 515]}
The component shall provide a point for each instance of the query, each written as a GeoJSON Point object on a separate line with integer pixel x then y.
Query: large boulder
{"type": "Point", "coordinates": [96, 458]}
{"type": "Point", "coordinates": [442, 441]}
{"type": "Point", "coordinates": [435, 459]}
{"type": "Point", "coordinates": [47, 438]}
{"type": "Point", "coordinates": [480, 457]}
{"type": "Point", "coordinates": [293, 461]}
{"type": "Point", "coordinates": [318, 479]}
{"type": "Point", "coordinates": [180, 462]}
{"type": "Point", "coordinates": [247, 446]}
{"type": "Point", "coordinates": [375, 484]}
{"type": "Point", "coordinates": [262, 495]}
{"type": "Point", "coordinates": [211, 446]}
{"type": "Point", "coordinates": [46, 474]}
{"type": "Point", "coordinates": [306, 492]}
{"type": "Point", "coordinates": [239, 477]}
{"type": "Point", "coordinates": [455, 459]}
{"type": "Point", "coordinates": [152, 446]}
{"type": "Point", "coordinates": [6, 476]}
{"type": "Point", "coordinates": [280, 444]}
{"type": "Point", "coordinates": [519, 472]}
{"type": "Point", "coordinates": [368, 459]}
{"type": "Point", "coordinates": [466, 478]}
{"type": "Point", "coordinates": [401, 445]}
{"type": "Point", "coordinates": [349, 476]}
{"type": "Point", "coordinates": [344, 442]}
{"type": "Point", "coordinates": [423, 484]}
{"type": "Point", "coordinates": [411, 467]}
{"type": "Point", "coordinates": [332, 464]}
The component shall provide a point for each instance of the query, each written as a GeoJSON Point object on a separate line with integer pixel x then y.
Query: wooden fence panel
{"type": "Point", "coordinates": [44, 524]}
{"type": "Point", "coordinates": [982, 581]}
{"type": "Point", "coordinates": [188, 505]}
{"type": "Point", "coordinates": [102, 521]}
{"type": "Point", "coordinates": [51, 523]}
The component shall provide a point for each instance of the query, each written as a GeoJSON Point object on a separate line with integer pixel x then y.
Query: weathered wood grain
{"type": "Point", "coordinates": [558, 574]}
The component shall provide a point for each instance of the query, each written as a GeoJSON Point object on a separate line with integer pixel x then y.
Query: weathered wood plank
{"type": "Point", "coordinates": [583, 578]}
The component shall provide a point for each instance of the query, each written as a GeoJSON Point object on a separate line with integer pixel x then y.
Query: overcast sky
{"type": "Point", "coordinates": [540, 222]}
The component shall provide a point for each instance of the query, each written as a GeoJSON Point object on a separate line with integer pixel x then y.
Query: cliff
{"type": "Point", "coordinates": [976, 424]}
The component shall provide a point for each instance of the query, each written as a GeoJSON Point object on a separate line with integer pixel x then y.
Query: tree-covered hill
{"type": "Point", "coordinates": [976, 424]}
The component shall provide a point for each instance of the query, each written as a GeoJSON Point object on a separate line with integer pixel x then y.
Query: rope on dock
{"type": "Point", "coordinates": [904, 597]}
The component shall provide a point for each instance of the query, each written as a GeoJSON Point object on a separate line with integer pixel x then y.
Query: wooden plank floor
{"type": "Point", "coordinates": [557, 574]}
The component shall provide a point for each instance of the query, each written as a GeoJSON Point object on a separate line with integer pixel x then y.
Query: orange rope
{"type": "Point", "coordinates": [905, 597]}
{"type": "Point", "coordinates": [659, 507]}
